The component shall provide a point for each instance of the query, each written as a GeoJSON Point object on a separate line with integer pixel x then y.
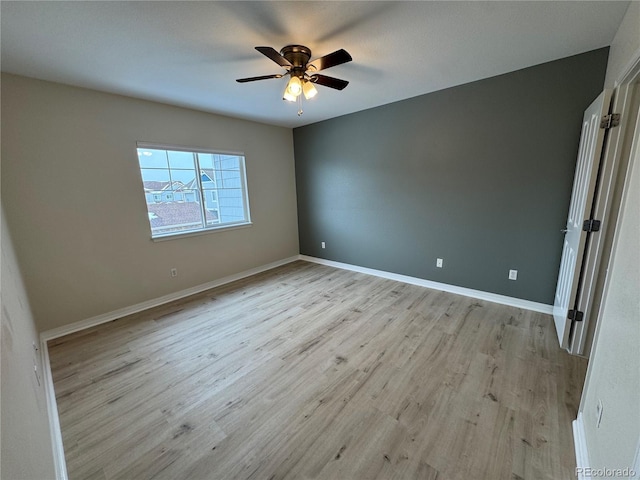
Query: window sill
{"type": "Point", "coordinates": [194, 233]}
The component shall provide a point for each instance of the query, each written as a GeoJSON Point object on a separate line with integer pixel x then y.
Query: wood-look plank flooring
{"type": "Point", "coordinates": [310, 372]}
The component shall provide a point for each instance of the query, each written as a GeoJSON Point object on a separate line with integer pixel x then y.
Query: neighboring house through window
{"type": "Point", "coordinates": [191, 190]}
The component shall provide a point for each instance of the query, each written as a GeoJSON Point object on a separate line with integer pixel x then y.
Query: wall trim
{"type": "Point", "coordinates": [139, 307]}
{"type": "Point", "coordinates": [580, 445]}
{"type": "Point", "coordinates": [467, 292]}
{"type": "Point", "coordinates": [155, 302]}
{"type": "Point", "coordinates": [55, 432]}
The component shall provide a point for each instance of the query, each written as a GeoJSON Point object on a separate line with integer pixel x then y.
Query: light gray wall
{"type": "Point", "coordinates": [26, 452]}
{"type": "Point", "coordinates": [624, 45]}
{"type": "Point", "coordinates": [613, 376]}
{"type": "Point", "coordinates": [479, 175]}
{"type": "Point", "coordinates": [74, 200]}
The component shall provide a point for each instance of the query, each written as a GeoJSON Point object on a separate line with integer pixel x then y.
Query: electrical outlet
{"type": "Point", "coordinates": [599, 409]}
{"type": "Point", "coordinates": [513, 274]}
{"type": "Point", "coordinates": [174, 272]}
{"type": "Point", "coordinates": [322, 244]}
{"type": "Point", "coordinates": [439, 262]}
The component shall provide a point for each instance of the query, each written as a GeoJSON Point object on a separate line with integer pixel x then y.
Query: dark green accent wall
{"type": "Point", "coordinates": [479, 175]}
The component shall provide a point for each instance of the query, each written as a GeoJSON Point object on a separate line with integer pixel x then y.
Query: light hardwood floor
{"type": "Point", "coordinates": [310, 372]}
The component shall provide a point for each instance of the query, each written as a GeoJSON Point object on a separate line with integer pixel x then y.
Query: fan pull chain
{"type": "Point", "coordinates": [300, 111]}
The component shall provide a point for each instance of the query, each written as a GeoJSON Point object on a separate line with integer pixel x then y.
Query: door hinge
{"type": "Point", "coordinates": [576, 315]}
{"type": "Point", "coordinates": [591, 225]}
{"type": "Point", "coordinates": [610, 121]}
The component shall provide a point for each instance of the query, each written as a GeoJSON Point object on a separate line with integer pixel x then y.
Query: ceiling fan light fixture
{"type": "Point", "coordinates": [302, 74]}
{"type": "Point", "coordinates": [294, 87]}
{"type": "Point", "coordinates": [288, 96]}
{"type": "Point", "coordinates": [309, 90]}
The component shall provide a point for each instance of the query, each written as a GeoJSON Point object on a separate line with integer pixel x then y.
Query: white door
{"type": "Point", "coordinates": [584, 184]}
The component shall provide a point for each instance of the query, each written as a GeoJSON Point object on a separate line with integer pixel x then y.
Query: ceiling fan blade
{"type": "Point", "coordinates": [331, 60]}
{"type": "Point", "coordinates": [330, 82]}
{"type": "Point", "coordinates": [274, 55]}
{"type": "Point", "coordinates": [263, 77]}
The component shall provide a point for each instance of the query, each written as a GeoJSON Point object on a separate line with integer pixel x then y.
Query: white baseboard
{"type": "Point", "coordinates": [467, 292]}
{"type": "Point", "coordinates": [139, 307]}
{"type": "Point", "coordinates": [155, 302]}
{"type": "Point", "coordinates": [59, 461]}
{"type": "Point", "coordinates": [580, 445]}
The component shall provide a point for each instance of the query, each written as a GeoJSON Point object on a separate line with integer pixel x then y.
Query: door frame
{"type": "Point", "coordinates": [620, 148]}
{"type": "Point", "coordinates": [614, 169]}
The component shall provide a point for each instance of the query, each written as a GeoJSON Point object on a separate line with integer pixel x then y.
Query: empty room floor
{"type": "Point", "coordinates": [311, 372]}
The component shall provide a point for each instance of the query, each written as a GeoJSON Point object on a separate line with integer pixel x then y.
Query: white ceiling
{"type": "Point", "coordinates": [190, 53]}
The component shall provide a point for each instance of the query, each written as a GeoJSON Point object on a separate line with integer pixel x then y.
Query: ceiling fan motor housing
{"type": "Point", "coordinates": [298, 56]}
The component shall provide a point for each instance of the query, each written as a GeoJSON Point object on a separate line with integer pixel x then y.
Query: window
{"type": "Point", "coordinates": [192, 190]}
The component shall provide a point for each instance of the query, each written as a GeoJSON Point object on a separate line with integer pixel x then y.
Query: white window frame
{"type": "Point", "coordinates": [206, 229]}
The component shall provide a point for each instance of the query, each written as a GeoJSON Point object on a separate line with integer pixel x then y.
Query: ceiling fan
{"type": "Point", "coordinates": [295, 59]}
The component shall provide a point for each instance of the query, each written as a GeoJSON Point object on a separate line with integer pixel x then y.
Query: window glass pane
{"type": "Point", "coordinates": [160, 178]}
{"type": "Point", "coordinates": [211, 195]}
{"type": "Point", "coordinates": [229, 162]}
{"type": "Point", "coordinates": [183, 179]}
{"type": "Point", "coordinates": [174, 217]}
{"type": "Point", "coordinates": [212, 217]}
{"type": "Point", "coordinates": [180, 159]}
{"type": "Point", "coordinates": [230, 179]}
{"type": "Point", "coordinates": [206, 160]}
{"type": "Point", "coordinates": [150, 158]}
{"type": "Point", "coordinates": [212, 206]}
{"type": "Point", "coordinates": [188, 191]}
{"type": "Point", "coordinates": [230, 203]}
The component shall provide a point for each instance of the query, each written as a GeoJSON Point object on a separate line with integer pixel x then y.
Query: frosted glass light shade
{"type": "Point", "coordinates": [294, 87]}
{"type": "Point", "coordinates": [287, 96]}
{"type": "Point", "coordinates": [309, 90]}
